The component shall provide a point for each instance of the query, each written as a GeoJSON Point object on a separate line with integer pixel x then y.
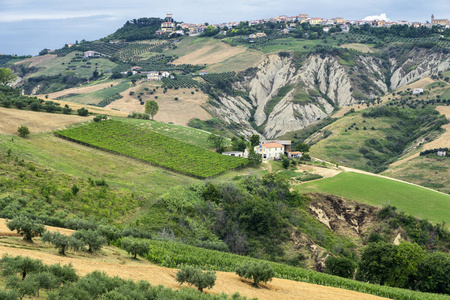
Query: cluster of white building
{"type": "Point", "coordinates": [270, 149]}
{"type": "Point", "coordinates": [292, 21]}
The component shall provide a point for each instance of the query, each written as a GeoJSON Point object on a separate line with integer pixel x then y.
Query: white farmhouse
{"type": "Point", "coordinates": [417, 91]}
{"type": "Point", "coordinates": [270, 150]}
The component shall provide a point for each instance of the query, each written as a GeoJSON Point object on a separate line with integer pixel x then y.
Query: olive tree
{"type": "Point", "coordinates": [135, 246]}
{"type": "Point", "coordinates": [26, 227]}
{"type": "Point", "coordinates": [61, 241]}
{"type": "Point", "coordinates": [258, 272]}
{"type": "Point", "coordinates": [196, 277]}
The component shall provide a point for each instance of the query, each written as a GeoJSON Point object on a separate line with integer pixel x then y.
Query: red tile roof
{"type": "Point", "coordinates": [272, 145]}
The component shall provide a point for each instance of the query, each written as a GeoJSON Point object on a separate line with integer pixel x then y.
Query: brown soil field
{"type": "Point", "coordinates": [37, 60]}
{"type": "Point", "coordinates": [209, 55]}
{"type": "Point", "coordinates": [178, 112]}
{"type": "Point", "coordinates": [11, 119]}
{"type": "Point", "coordinates": [115, 262]}
{"type": "Point", "coordinates": [359, 47]}
{"type": "Point", "coordinates": [79, 90]}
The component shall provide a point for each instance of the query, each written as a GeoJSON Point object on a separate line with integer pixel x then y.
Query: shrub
{"type": "Point", "coordinates": [340, 266]}
{"type": "Point", "coordinates": [195, 276]}
{"type": "Point", "coordinates": [82, 112]}
{"type": "Point", "coordinates": [23, 131]}
{"type": "Point", "coordinates": [258, 272]}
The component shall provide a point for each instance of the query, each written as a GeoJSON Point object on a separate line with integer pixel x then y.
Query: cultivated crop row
{"type": "Point", "coordinates": [214, 78]}
{"type": "Point", "coordinates": [153, 148]}
{"type": "Point", "coordinates": [174, 255]}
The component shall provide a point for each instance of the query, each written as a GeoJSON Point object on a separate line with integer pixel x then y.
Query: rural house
{"type": "Point", "coordinates": [237, 153]}
{"type": "Point", "coordinates": [270, 150]}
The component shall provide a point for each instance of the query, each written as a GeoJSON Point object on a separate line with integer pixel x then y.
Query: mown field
{"type": "Point", "coordinates": [417, 201]}
{"type": "Point", "coordinates": [153, 148]}
{"type": "Point", "coordinates": [80, 161]}
{"type": "Point", "coordinates": [59, 65]}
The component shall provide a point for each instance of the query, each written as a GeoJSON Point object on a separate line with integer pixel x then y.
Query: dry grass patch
{"type": "Point", "coordinates": [359, 47]}
{"type": "Point", "coordinates": [4, 230]}
{"type": "Point", "coordinates": [179, 112]}
{"type": "Point", "coordinates": [11, 119]}
{"type": "Point", "coordinates": [80, 90]}
{"type": "Point", "coordinates": [210, 54]}
{"type": "Point", "coordinates": [37, 60]}
{"type": "Point", "coordinates": [115, 262]}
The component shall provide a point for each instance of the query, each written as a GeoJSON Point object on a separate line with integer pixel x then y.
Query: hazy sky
{"type": "Point", "coordinates": [28, 26]}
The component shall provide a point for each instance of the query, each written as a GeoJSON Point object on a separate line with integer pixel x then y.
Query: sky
{"type": "Point", "coordinates": [28, 26]}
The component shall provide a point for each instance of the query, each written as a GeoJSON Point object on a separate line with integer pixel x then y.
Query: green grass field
{"type": "Point", "coordinates": [97, 96]}
{"type": "Point", "coordinates": [80, 161]}
{"type": "Point", "coordinates": [377, 191]}
{"type": "Point", "coordinates": [446, 95]}
{"type": "Point", "coordinates": [56, 66]}
{"type": "Point", "coordinates": [191, 44]}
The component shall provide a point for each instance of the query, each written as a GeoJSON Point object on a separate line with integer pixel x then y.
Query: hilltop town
{"type": "Point", "coordinates": [170, 26]}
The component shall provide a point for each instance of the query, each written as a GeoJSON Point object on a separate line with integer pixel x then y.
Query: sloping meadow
{"type": "Point", "coordinates": [153, 148]}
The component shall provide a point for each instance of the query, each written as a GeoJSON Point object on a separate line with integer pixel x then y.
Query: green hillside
{"type": "Point", "coordinates": [152, 147]}
{"type": "Point", "coordinates": [372, 139]}
{"type": "Point", "coordinates": [414, 200]}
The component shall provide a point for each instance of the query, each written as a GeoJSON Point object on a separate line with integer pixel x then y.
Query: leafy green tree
{"type": "Point", "coordinates": [19, 265]}
{"type": "Point", "coordinates": [407, 260]}
{"type": "Point", "coordinates": [23, 131]}
{"type": "Point", "coordinates": [302, 147]}
{"type": "Point", "coordinates": [64, 273]}
{"type": "Point", "coordinates": [6, 76]}
{"type": "Point", "coordinates": [151, 108]}
{"type": "Point", "coordinates": [61, 241]}
{"type": "Point", "coordinates": [378, 262]}
{"type": "Point", "coordinates": [254, 158]}
{"type": "Point", "coordinates": [26, 227]}
{"type": "Point", "coordinates": [217, 141]}
{"type": "Point", "coordinates": [238, 144]}
{"type": "Point", "coordinates": [254, 140]}
{"type": "Point", "coordinates": [195, 276]}
{"type": "Point", "coordinates": [135, 246]}
{"type": "Point", "coordinates": [110, 232]}
{"type": "Point", "coordinates": [258, 272]}
{"type": "Point", "coordinates": [92, 238]}
{"type": "Point", "coordinates": [433, 274]}
{"type": "Point", "coordinates": [340, 266]}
